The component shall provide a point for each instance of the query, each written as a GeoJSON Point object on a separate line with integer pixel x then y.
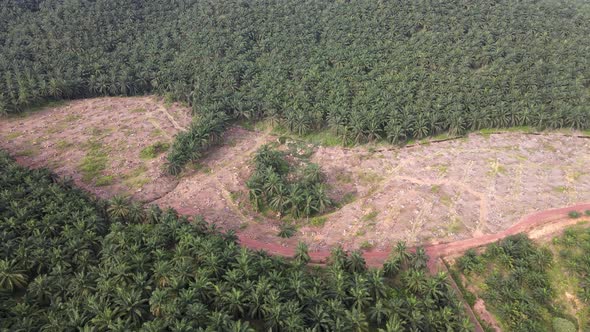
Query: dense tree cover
{"type": "Point", "coordinates": [513, 276]}
{"type": "Point", "coordinates": [365, 69]}
{"type": "Point", "coordinates": [69, 263]}
{"type": "Point", "coordinates": [297, 190]}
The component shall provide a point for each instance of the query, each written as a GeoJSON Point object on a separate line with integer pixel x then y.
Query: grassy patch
{"type": "Point", "coordinates": [136, 182]}
{"type": "Point", "coordinates": [560, 189]}
{"type": "Point", "coordinates": [96, 131]}
{"type": "Point", "coordinates": [63, 144]}
{"type": "Point", "coordinates": [318, 221]}
{"type": "Point", "coordinates": [366, 245]}
{"type": "Point", "coordinates": [201, 167]}
{"type": "Point", "coordinates": [323, 138]}
{"type": "Point", "coordinates": [369, 177]}
{"type": "Point", "coordinates": [344, 177]}
{"type": "Point", "coordinates": [94, 162]}
{"type": "Point", "coordinates": [370, 217]}
{"type": "Point", "coordinates": [136, 178]}
{"type": "Point", "coordinates": [446, 200]}
{"type": "Point", "coordinates": [43, 105]}
{"type": "Point", "coordinates": [435, 189]}
{"type": "Point", "coordinates": [154, 150]}
{"type": "Point", "coordinates": [496, 168]}
{"type": "Point", "coordinates": [486, 132]}
{"type": "Point", "coordinates": [106, 180]}
{"type": "Point", "coordinates": [28, 152]}
{"type": "Point", "coordinates": [442, 169]}
{"type": "Point", "coordinates": [56, 128]}
{"type": "Point", "coordinates": [72, 117]}
{"type": "Point", "coordinates": [13, 135]}
{"type": "Point", "coordinates": [347, 198]}
{"type": "Point", "coordinates": [156, 132]}
{"type": "Point", "coordinates": [138, 110]}
{"type": "Point", "coordinates": [455, 226]}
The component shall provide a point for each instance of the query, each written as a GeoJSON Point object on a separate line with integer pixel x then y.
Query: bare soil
{"type": "Point", "coordinates": [114, 129]}
{"type": "Point", "coordinates": [468, 189]}
{"type": "Point", "coordinates": [451, 190]}
{"type": "Point", "coordinates": [485, 315]}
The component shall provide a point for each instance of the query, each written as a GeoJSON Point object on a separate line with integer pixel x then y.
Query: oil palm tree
{"type": "Point", "coordinates": [11, 277]}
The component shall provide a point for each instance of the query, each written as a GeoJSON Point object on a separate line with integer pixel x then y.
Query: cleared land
{"type": "Point", "coordinates": [106, 145]}
{"type": "Point", "coordinates": [435, 192]}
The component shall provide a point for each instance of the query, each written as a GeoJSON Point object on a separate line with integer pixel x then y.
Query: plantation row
{"type": "Point", "coordinates": [71, 263]}
{"type": "Point", "coordinates": [364, 69]}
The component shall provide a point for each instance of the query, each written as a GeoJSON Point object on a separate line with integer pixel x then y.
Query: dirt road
{"type": "Point", "coordinates": [553, 219]}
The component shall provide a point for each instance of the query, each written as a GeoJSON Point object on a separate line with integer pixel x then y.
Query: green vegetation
{"type": "Point", "coordinates": [574, 214]}
{"type": "Point", "coordinates": [191, 144]}
{"type": "Point", "coordinates": [363, 70]}
{"type": "Point", "coordinates": [548, 284]}
{"type": "Point", "coordinates": [318, 221]}
{"type": "Point", "coordinates": [297, 190]}
{"type": "Point", "coordinates": [105, 180]}
{"type": "Point", "coordinates": [287, 230]}
{"type": "Point", "coordinates": [370, 217]}
{"type": "Point", "coordinates": [154, 150]}
{"type": "Point", "coordinates": [68, 262]}
{"type": "Point", "coordinates": [515, 283]}
{"type": "Point", "coordinates": [13, 135]}
{"type": "Point", "coordinates": [94, 162]}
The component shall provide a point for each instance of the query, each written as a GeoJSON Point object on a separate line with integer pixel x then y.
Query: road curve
{"type": "Point", "coordinates": [557, 217]}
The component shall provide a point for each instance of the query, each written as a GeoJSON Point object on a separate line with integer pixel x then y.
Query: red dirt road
{"type": "Point", "coordinates": [557, 218]}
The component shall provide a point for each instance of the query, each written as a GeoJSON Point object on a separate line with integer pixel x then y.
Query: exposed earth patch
{"type": "Point", "coordinates": [428, 193]}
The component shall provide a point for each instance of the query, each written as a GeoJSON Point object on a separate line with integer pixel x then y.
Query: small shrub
{"type": "Point", "coordinates": [153, 150]}
{"type": "Point", "coordinates": [563, 325]}
{"type": "Point", "coordinates": [318, 221]}
{"type": "Point", "coordinates": [370, 216]}
{"type": "Point", "coordinates": [574, 214]}
{"type": "Point", "coordinates": [366, 245]}
{"type": "Point", "coordinates": [104, 181]}
{"type": "Point", "coordinates": [346, 199]}
{"type": "Point", "coordinates": [587, 212]}
{"type": "Point", "coordinates": [287, 231]}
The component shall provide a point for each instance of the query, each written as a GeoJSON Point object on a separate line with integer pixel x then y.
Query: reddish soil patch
{"type": "Point", "coordinates": [111, 131]}
{"type": "Point", "coordinates": [555, 219]}
{"type": "Point", "coordinates": [485, 315]}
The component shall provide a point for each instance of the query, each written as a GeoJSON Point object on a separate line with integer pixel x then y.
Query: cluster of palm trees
{"type": "Point", "coordinates": [298, 191]}
{"type": "Point", "coordinates": [72, 263]}
{"type": "Point", "coordinates": [367, 70]}
{"type": "Point", "coordinates": [189, 145]}
{"type": "Point", "coordinates": [517, 283]}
